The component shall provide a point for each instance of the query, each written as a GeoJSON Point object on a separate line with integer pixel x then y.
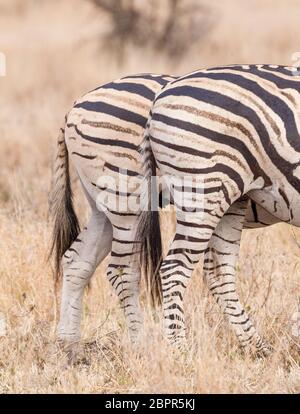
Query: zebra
{"type": "Point", "coordinates": [234, 131]}
{"type": "Point", "coordinates": [101, 136]}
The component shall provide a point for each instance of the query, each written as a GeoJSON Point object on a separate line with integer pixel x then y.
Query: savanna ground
{"type": "Point", "coordinates": [53, 56]}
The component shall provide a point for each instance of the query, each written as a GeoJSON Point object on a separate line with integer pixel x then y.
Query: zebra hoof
{"type": "Point", "coordinates": [178, 346]}
{"type": "Point", "coordinates": [71, 349]}
{"type": "Point", "coordinates": [265, 351]}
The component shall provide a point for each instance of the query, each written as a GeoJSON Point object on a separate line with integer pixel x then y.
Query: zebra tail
{"type": "Point", "coordinates": [65, 223]}
{"type": "Point", "coordinates": [148, 233]}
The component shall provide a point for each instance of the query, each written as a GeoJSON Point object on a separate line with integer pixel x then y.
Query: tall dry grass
{"type": "Point", "coordinates": [53, 56]}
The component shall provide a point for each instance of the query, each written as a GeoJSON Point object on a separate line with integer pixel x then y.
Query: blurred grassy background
{"type": "Point", "coordinates": [56, 51]}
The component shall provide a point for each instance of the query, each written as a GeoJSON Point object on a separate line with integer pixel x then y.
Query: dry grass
{"type": "Point", "coordinates": [52, 58]}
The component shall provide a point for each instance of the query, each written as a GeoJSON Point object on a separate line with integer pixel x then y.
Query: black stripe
{"type": "Point", "coordinates": [112, 191]}
{"type": "Point", "coordinates": [121, 228]}
{"type": "Point", "coordinates": [118, 213]}
{"type": "Point", "coordinates": [187, 238]}
{"type": "Point", "coordinates": [177, 272]}
{"type": "Point", "coordinates": [199, 226]}
{"type": "Point", "coordinates": [176, 147]}
{"type": "Point", "coordinates": [112, 110]}
{"type": "Point", "coordinates": [183, 252]}
{"type": "Point", "coordinates": [254, 210]}
{"type": "Point", "coordinates": [212, 288]}
{"type": "Point", "coordinates": [121, 170]}
{"type": "Point", "coordinates": [284, 196]}
{"type": "Point", "coordinates": [135, 88]}
{"type": "Point", "coordinates": [104, 141]}
{"type": "Point", "coordinates": [88, 157]}
{"type": "Point", "coordinates": [117, 266]}
{"type": "Point", "coordinates": [125, 241]}
{"type": "Point", "coordinates": [115, 254]}
{"type": "Point", "coordinates": [174, 263]}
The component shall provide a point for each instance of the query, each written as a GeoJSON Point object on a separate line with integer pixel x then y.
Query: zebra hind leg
{"type": "Point", "coordinates": [194, 229]}
{"type": "Point", "coordinates": [124, 274]}
{"type": "Point", "coordinates": [79, 263]}
{"type": "Point", "coordinates": [219, 272]}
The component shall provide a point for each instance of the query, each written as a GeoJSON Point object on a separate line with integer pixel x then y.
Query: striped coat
{"type": "Point", "coordinates": [234, 131]}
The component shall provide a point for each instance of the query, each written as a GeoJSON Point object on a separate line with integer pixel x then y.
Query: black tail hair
{"type": "Point", "coordinates": [148, 232]}
{"type": "Point", "coordinates": [65, 222]}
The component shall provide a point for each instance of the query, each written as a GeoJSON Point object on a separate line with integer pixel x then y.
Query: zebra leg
{"type": "Point", "coordinates": [124, 274]}
{"type": "Point", "coordinates": [79, 264]}
{"type": "Point", "coordinates": [219, 272]}
{"type": "Point", "coordinates": [194, 229]}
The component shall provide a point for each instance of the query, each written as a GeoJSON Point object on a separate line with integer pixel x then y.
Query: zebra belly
{"type": "Point", "coordinates": [274, 200]}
